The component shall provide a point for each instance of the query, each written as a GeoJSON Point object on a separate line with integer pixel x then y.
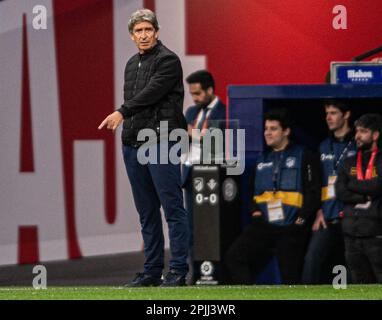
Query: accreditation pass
{"type": "Point", "coordinates": [275, 210]}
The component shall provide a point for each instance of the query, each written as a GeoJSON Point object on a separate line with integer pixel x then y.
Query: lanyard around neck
{"type": "Point", "coordinates": [369, 170]}
{"type": "Point", "coordinates": [202, 123]}
{"type": "Point", "coordinates": [337, 162]}
{"type": "Point", "coordinates": [277, 162]}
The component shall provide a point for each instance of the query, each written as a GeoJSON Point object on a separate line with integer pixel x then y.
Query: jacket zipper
{"type": "Point", "coordinates": [136, 75]}
{"type": "Point", "coordinates": [135, 84]}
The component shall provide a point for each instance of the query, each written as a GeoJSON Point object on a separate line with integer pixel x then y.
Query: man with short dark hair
{"type": "Point", "coordinates": [359, 186]}
{"type": "Point", "coordinates": [153, 93]}
{"type": "Point", "coordinates": [326, 248]}
{"type": "Point", "coordinates": [285, 199]}
{"type": "Point", "coordinates": [208, 107]}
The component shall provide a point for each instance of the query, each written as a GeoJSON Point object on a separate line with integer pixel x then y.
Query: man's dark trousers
{"type": "Point", "coordinates": [154, 185]}
{"type": "Point", "coordinates": [326, 250]}
{"type": "Point", "coordinates": [364, 258]}
{"type": "Point", "coordinates": [250, 253]}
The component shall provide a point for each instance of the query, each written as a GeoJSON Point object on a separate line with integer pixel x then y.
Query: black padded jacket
{"type": "Point", "coordinates": [367, 221]}
{"type": "Point", "coordinates": [153, 92]}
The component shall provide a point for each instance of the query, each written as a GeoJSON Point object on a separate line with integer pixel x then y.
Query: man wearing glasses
{"type": "Point", "coordinates": [153, 93]}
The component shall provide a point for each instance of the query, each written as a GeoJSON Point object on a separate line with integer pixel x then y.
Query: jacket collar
{"type": "Point", "coordinates": [290, 145]}
{"type": "Point", "coordinates": [211, 105]}
{"type": "Point", "coordinates": [349, 136]}
{"type": "Point", "coordinates": [152, 51]}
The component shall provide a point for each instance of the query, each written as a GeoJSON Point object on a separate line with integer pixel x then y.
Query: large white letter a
{"type": "Point", "coordinates": [340, 20]}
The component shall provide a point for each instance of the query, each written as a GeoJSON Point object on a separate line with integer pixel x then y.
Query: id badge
{"type": "Point", "coordinates": [363, 206]}
{"type": "Point", "coordinates": [275, 210]}
{"type": "Point", "coordinates": [331, 190]}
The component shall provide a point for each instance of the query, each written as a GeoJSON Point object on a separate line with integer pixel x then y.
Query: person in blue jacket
{"type": "Point", "coordinates": [326, 248]}
{"type": "Point", "coordinates": [286, 184]}
{"type": "Point", "coordinates": [209, 111]}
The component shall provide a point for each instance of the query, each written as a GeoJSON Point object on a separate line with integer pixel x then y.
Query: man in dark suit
{"type": "Point", "coordinates": [208, 111]}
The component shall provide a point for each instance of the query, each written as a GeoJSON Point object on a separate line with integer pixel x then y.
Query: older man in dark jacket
{"type": "Point", "coordinates": [153, 94]}
{"type": "Point", "coordinates": [359, 186]}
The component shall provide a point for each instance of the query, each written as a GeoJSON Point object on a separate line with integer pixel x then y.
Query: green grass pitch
{"type": "Point", "coordinates": [359, 292]}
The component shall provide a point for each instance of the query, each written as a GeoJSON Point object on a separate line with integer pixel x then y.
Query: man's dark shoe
{"type": "Point", "coordinates": [174, 279]}
{"type": "Point", "coordinates": [145, 280]}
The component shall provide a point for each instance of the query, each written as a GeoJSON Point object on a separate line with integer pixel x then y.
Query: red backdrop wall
{"type": "Point", "coordinates": [278, 41]}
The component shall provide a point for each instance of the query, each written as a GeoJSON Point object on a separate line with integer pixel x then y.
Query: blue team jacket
{"type": "Point", "coordinates": [279, 176]}
{"type": "Point", "coordinates": [332, 155]}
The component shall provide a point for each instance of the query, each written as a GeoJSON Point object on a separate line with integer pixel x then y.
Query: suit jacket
{"type": "Point", "coordinates": [218, 112]}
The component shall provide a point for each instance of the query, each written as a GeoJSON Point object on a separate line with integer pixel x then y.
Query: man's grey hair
{"type": "Point", "coordinates": [143, 15]}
